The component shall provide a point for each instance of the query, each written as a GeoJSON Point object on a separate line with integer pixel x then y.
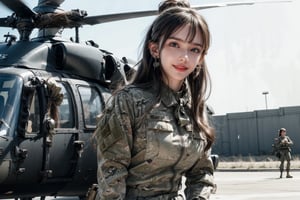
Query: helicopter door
{"type": "Point", "coordinates": [91, 106]}
{"type": "Point", "coordinates": [60, 159]}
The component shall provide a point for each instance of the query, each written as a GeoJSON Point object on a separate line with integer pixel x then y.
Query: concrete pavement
{"type": "Point", "coordinates": [253, 185]}
{"type": "Point", "coordinates": [256, 185]}
{"type": "Point", "coordinates": [248, 185]}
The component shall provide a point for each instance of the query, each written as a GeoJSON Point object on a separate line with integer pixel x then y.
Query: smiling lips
{"type": "Point", "coordinates": [180, 67]}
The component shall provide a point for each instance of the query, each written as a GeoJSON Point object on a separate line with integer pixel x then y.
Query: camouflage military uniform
{"type": "Point", "coordinates": [143, 151]}
{"type": "Point", "coordinates": [284, 144]}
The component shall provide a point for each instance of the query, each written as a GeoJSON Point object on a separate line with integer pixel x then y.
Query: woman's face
{"type": "Point", "coordinates": [179, 57]}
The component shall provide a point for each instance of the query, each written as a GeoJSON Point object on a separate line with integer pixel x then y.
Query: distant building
{"type": "Point", "coordinates": [252, 133]}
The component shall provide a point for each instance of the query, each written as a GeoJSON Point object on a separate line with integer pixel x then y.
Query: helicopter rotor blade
{"type": "Point", "coordinates": [19, 8]}
{"type": "Point", "coordinates": [241, 3]}
{"type": "Point", "coordinates": [49, 18]}
{"type": "Point", "coordinates": [93, 20]}
{"type": "Point", "coordinates": [116, 17]}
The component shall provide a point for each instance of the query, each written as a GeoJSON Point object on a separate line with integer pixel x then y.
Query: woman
{"type": "Point", "coordinates": [155, 130]}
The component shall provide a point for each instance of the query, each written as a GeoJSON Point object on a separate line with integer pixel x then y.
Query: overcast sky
{"type": "Point", "coordinates": [254, 48]}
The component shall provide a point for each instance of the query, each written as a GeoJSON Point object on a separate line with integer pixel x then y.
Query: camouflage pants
{"type": "Point", "coordinates": [93, 195]}
{"type": "Point", "coordinates": [285, 156]}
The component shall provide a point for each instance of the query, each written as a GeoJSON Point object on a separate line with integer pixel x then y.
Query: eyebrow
{"type": "Point", "coordinates": [193, 43]}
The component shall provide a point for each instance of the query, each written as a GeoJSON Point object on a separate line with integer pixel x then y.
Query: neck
{"type": "Point", "coordinates": [174, 84]}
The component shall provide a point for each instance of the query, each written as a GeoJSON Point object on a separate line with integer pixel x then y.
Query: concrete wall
{"type": "Point", "coordinates": [253, 133]}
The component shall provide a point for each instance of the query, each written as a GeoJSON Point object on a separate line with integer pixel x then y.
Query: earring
{"type": "Point", "coordinates": [199, 67]}
{"type": "Point", "coordinates": [156, 63]}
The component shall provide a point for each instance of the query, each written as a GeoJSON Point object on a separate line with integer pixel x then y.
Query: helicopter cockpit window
{"type": "Point", "coordinates": [91, 105]}
{"type": "Point", "coordinates": [10, 91]}
{"type": "Point", "coordinates": [65, 109]}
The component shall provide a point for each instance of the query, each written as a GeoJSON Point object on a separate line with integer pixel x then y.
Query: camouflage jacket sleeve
{"type": "Point", "coordinates": [114, 140]}
{"type": "Point", "coordinates": [289, 141]}
{"type": "Point", "coordinates": [200, 179]}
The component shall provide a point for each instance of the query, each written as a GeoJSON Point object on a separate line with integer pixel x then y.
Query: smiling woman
{"type": "Point", "coordinates": [179, 57]}
{"type": "Point", "coordinates": [156, 130]}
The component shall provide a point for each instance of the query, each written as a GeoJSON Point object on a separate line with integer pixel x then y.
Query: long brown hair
{"type": "Point", "coordinates": [198, 81]}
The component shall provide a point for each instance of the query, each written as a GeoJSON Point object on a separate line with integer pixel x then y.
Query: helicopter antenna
{"type": "Point", "coordinates": [77, 34]}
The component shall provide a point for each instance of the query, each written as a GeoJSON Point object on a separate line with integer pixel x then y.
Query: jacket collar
{"type": "Point", "coordinates": [172, 98]}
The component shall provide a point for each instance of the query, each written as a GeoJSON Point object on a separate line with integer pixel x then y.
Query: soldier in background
{"type": "Point", "coordinates": [283, 145]}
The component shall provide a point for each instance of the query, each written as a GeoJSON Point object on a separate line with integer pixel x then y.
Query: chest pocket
{"type": "Point", "coordinates": [158, 132]}
{"type": "Point", "coordinates": [169, 144]}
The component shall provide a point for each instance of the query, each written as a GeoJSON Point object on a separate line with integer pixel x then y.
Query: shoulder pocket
{"type": "Point", "coordinates": [109, 131]}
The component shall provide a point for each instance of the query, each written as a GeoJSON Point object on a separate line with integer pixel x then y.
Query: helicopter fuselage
{"type": "Point", "coordinates": [52, 93]}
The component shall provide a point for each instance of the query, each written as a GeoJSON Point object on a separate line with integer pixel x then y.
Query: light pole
{"type": "Point", "coordinates": [266, 99]}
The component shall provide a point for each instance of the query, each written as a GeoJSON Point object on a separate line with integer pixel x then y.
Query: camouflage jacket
{"type": "Point", "coordinates": [284, 143]}
{"type": "Point", "coordinates": [145, 149]}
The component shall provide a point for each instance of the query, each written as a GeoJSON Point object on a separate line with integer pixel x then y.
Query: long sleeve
{"type": "Point", "coordinates": [290, 142]}
{"type": "Point", "coordinates": [200, 179]}
{"type": "Point", "coordinates": [114, 139]}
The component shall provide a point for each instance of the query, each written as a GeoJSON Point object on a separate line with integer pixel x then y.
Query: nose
{"type": "Point", "coordinates": [184, 57]}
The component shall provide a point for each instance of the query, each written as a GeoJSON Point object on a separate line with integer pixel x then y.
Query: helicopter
{"type": "Point", "coordinates": [51, 92]}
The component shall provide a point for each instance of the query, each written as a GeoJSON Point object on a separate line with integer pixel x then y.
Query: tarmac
{"type": "Point", "coordinates": [256, 185]}
{"type": "Point", "coordinates": [248, 185]}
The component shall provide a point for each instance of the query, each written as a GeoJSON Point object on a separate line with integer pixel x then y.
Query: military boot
{"type": "Point", "coordinates": [288, 175]}
{"type": "Point", "coordinates": [280, 175]}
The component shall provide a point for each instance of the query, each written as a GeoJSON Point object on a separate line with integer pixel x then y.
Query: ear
{"type": "Point", "coordinates": [153, 48]}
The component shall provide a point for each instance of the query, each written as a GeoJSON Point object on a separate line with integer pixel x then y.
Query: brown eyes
{"type": "Point", "coordinates": [177, 45]}
{"type": "Point", "coordinates": [173, 44]}
{"type": "Point", "coordinates": [196, 50]}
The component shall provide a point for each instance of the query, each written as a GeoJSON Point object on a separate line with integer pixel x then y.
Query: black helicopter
{"type": "Point", "coordinates": [51, 90]}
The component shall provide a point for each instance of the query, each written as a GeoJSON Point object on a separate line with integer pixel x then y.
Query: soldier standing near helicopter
{"type": "Point", "coordinates": [155, 131]}
{"type": "Point", "coordinates": [283, 145]}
